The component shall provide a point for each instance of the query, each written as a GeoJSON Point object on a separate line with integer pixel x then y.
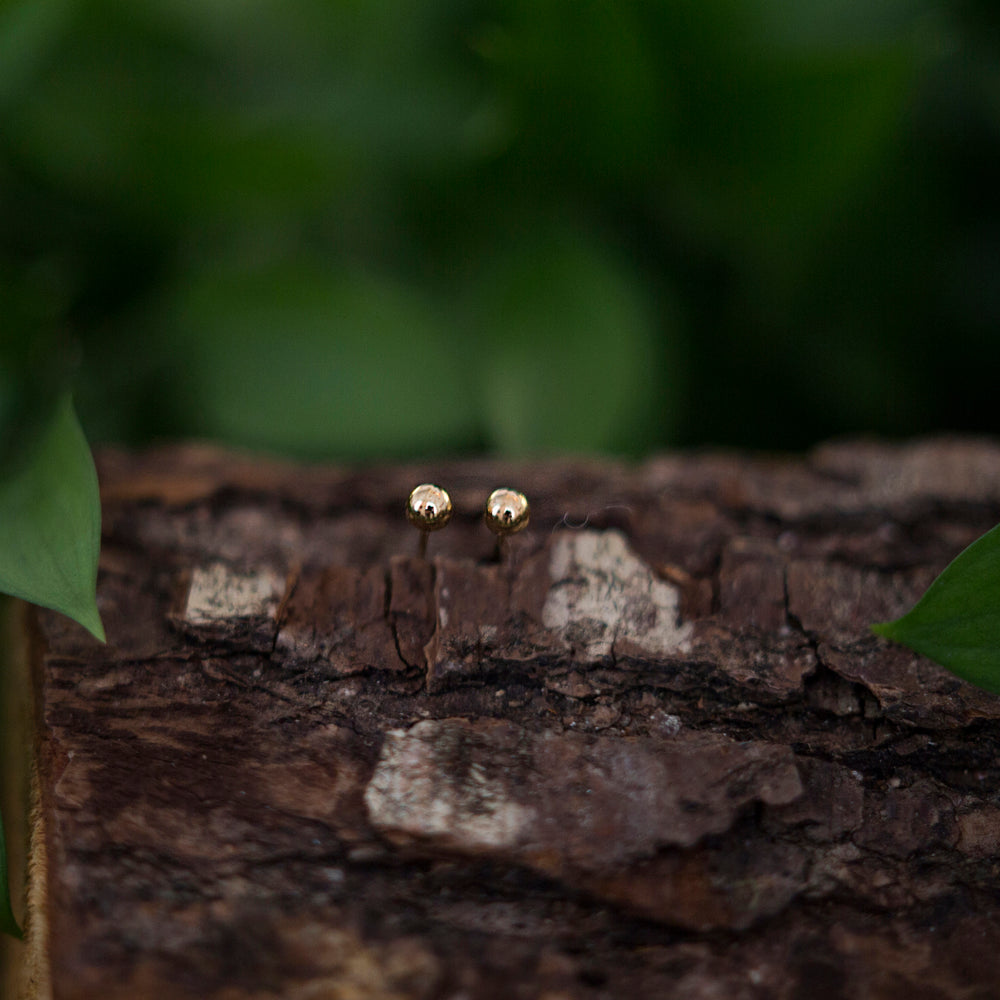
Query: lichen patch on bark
{"type": "Point", "coordinates": [577, 808]}
{"type": "Point", "coordinates": [218, 594]}
{"type": "Point", "coordinates": [433, 782]}
{"type": "Point", "coordinates": [603, 592]}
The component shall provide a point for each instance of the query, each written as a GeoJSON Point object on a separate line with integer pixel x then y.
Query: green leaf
{"type": "Point", "coordinates": [957, 621]}
{"type": "Point", "coordinates": [8, 925]}
{"type": "Point", "coordinates": [50, 524]}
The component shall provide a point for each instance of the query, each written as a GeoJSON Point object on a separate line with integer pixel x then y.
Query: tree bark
{"type": "Point", "coordinates": [655, 752]}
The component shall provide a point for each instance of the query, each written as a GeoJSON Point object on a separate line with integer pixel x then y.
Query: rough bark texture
{"type": "Point", "coordinates": [656, 753]}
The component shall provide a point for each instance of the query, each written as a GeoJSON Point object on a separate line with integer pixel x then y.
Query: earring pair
{"type": "Point", "coordinates": [429, 509]}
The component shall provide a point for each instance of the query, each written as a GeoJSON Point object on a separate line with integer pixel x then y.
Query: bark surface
{"type": "Point", "coordinates": [655, 753]}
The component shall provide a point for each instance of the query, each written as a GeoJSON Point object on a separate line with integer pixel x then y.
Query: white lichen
{"type": "Point", "coordinates": [416, 793]}
{"type": "Point", "coordinates": [219, 594]}
{"type": "Point", "coordinates": [603, 593]}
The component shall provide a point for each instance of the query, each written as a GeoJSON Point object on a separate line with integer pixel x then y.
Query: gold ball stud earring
{"type": "Point", "coordinates": [507, 512]}
{"type": "Point", "coordinates": [429, 509]}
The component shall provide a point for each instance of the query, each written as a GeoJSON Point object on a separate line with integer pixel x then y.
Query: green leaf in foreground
{"type": "Point", "coordinates": [50, 524]}
{"type": "Point", "coordinates": [8, 925]}
{"type": "Point", "coordinates": [957, 621]}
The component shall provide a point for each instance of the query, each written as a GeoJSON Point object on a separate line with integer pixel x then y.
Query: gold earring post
{"type": "Point", "coordinates": [507, 512]}
{"type": "Point", "coordinates": [428, 509]}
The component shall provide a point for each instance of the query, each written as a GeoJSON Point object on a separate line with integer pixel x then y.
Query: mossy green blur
{"type": "Point", "coordinates": [633, 224]}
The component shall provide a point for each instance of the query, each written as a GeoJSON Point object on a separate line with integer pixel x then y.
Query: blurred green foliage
{"type": "Point", "coordinates": [352, 230]}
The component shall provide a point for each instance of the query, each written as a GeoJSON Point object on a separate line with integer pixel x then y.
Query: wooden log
{"type": "Point", "coordinates": [655, 753]}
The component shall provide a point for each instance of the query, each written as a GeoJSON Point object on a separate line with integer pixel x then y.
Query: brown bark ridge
{"type": "Point", "coordinates": [656, 752]}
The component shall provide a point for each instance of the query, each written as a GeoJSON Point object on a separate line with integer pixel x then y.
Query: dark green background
{"type": "Point", "coordinates": [352, 230]}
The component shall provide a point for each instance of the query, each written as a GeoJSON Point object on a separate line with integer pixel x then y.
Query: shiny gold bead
{"type": "Point", "coordinates": [507, 512]}
{"type": "Point", "coordinates": [429, 509]}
